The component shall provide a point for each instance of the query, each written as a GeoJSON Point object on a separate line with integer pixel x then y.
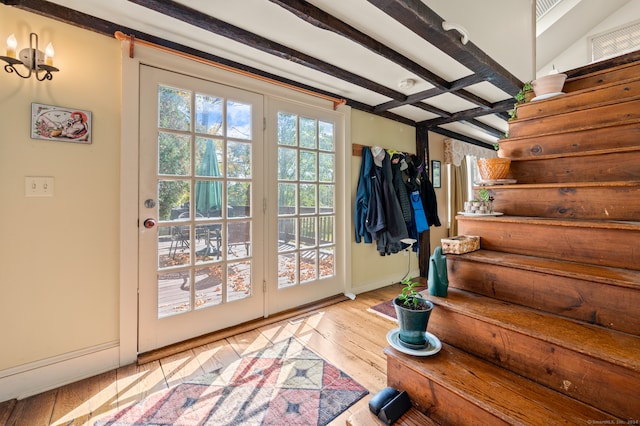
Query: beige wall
{"type": "Point", "coordinates": [369, 269]}
{"type": "Point", "coordinates": [59, 268]}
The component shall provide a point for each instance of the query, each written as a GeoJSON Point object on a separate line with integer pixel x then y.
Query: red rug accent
{"type": "Point", "coordinates": [286, 384]}
{"type": "Point", "coordinates": [386, 309]}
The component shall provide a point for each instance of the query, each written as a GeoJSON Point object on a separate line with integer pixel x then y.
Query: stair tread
{"type": "Point", "coordinates": [577, 223]}
{"type": "Point", "coordinates": [602, 274]}
{"type": "Point", "coordinates": [506, 395]}
{"type": "Point", "coordinates": [627, 183]}
{"type": "Point", "coordinates": [554, 105]}
{"type": "Point", "coordinates": [594, 341]}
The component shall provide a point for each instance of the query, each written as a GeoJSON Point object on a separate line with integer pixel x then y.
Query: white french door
{"type": "Point", "coordinates": [306, 184]}
{"type": "Point", "coordinates": [201, 235]}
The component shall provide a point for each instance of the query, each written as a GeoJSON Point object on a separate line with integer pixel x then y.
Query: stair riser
{"type": "Point", "coordinates": [607, 76]}
{"type": "Point", "coordinates": [621, 113]}
{"type": "Point", "coordinates": [598, 246]}
{"type": "Point", "coordinates": [577, 375]}
{"type": "Point", "coordinates": [593, 202]}
{"type": "Point", "coordinates": [439, 403]}
{"type": "Point", "coordinates": [581, 142]}
{"type": "Point", "coordinates": [595, 303]}
{"type": "Point", "coordinates": [619, 166]}
{"type": "Point", "coordinates": [567, 103]}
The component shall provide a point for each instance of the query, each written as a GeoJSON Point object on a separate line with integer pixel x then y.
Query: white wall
{"type": "Point", "coordinates": [578, 54]}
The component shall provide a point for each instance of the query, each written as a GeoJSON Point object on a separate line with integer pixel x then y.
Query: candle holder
{"type": "Point", "coordinates": [34, 60]}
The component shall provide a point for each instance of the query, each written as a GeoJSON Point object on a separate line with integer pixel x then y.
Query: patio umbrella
{"type": "Point", "coordinates": [208, 193]}
{"type": "Point", "coordinates": [209, 196]}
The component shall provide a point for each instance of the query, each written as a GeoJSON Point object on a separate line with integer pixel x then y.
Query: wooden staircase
{"type": "Point", "coordinates": [542, 325]}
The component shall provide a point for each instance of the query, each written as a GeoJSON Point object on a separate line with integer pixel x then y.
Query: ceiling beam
{"type": "Point", "coordinates": [321, 19]}
{"type": "Point", "coordinates": [469, 114]}
{"type": "Point", "coordinates": [416, 16]}
{"type": "Point", "coordinates": [209, 23]}
{"type": "Point", "coordinates": [458, 136]}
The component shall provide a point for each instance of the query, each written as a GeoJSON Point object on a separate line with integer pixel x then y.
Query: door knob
{"type": "Point", "coordinates": [149, 223]}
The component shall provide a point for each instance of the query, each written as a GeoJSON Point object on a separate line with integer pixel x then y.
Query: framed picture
{"type": "Point", "coordinates": [60, 124]}
{"type": "Point", "coordinates": [435, 174]}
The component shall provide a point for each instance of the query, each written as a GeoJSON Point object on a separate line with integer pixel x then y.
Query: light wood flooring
{"type": "Point", "coordinates": [344, 334]}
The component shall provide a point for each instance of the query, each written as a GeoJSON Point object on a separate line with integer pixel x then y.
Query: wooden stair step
{"type": "Point", "coordinates": [606, 167]}
{"type": "Point", "coordinates": [588, 118]}
{"type": "Point", "coordinates": [604, 243]}
{"type": "Point", "coordinates": [457, 388]}
{"type": "Point", "coordinates": [583, 200]}
{"type": "Point", "coordinates": [600, 95]}
{"type": "Point", "coordinates": [615, 69]}
{"type": "Point", "coordinates": [594, 141]}
{"type": "Point", "coordinates": [599, 295]}
{"type": "Point", "coordinates": [597, 366]}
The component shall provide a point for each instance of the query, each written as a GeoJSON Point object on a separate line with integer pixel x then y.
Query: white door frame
{"type": "Point", "coordinates": [129, 165]}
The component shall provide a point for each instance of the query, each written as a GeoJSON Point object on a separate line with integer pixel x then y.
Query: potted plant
{"type": "Point", "coordinates": [524, 95]}
{"type": "Point", "coordinates": [549, 85]}
{"type": "Point", "coordinates": [413, 312]}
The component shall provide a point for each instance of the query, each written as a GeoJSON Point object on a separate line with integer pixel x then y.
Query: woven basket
{"type": "Point", "coordinates": [494, 168]}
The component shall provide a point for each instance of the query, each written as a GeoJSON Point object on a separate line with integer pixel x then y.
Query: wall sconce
{"type": "Point", "coordinates": [34, 60]}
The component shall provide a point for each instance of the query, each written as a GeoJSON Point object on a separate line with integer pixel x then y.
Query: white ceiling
{"type": "Point", "coordinates": [503, 29]}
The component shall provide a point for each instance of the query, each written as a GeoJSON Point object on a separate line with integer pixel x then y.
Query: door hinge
{"type": "Point", "coordinates": [264, 205]}
{"type": "Point", "coordinates": [264, 123]}
{"type": "Point", "coordinates": [264, 286]}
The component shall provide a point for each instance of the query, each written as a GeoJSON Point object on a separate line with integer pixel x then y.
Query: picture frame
{"type": "Point", "coordinates": [60, 124]}
{"type": "Point", "coordinates": [436, 177]}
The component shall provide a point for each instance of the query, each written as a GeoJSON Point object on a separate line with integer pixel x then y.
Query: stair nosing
{"type": "Point", "coordinates": [630, 344]}
{"type": "Point", "coordinates": [624, 282]}
{"type": "Point", "coordinates": [575, 223]}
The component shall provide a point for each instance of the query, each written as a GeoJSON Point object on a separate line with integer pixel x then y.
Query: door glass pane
{"type": "Point", "coordinates": [326, 136]}
{"type": "Point", "coordinates": [239, 160]}
{"type": "Point", "coordinates": [287, 197]}
{"type": "Point", "coordinates": [238, 240]}
{"type": "Point", "coordinates": [238, 120]}
{"type": "Point", "coordinates": [174, 154]}
{"type": "Point", "coordinates": [238, 280]}
{"type": "Point", "coordinates": [308, 266]}
{"type": "Point", "coordinates": [287, 163]}
{"type": "Point", "coordinates": [239, 196]}
{"type": "Point", "coordinates": [208, 286]}
{"type": "Point", "coordinates": [327, 198]}
{"type": "Point", "coordinates": [174, 296]}
{"type": "Point", "coordinates": [287, 234]}
{"type": "Point", "coordinates": [209, 115]}
{"type": "Point", "coordinates": [173, 199]}
{"type": "Point", "coordinates": [174, 108]}
{"type": "Point", "coordinates": [308, 201]}
{"type": "Point", "coordinates": [308, 165]}
{"type": "Point", "coordinates": [287, 129]}
{"type": "Point", "coordinates": [307, 132]}
{"type": "Point", "coordinates": [308, 231]}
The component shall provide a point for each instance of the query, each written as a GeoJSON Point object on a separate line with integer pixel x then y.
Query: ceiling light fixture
{"type": "Point", "coordinates": [464, 34]}
{"type": "Point", "coordinates": [407, 83]}
{"type": "Point", "coordinates": [34, 60]}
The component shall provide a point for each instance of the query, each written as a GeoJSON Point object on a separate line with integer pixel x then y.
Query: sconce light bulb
{"type": "Point", "coordinates": [49, 52]}
{"type": "Point", "coordinates": [12, 45]}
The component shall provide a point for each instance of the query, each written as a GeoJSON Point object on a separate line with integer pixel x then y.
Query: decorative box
{"type": "Point", "coordinates": [460, 244]}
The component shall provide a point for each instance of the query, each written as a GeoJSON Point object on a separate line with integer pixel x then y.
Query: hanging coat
{"type": "Point", "coordinates": [363, 193]}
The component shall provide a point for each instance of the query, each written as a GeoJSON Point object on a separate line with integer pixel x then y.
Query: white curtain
{"type": "Point", "coordinates": [455, 151]}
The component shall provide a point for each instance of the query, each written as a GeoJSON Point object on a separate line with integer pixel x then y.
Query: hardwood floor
{"type": "Point", "coordinates": [344, 334]}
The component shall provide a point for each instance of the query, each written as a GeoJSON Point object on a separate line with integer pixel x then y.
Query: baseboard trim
{"type": "Point", "coordinates": [49, 373]}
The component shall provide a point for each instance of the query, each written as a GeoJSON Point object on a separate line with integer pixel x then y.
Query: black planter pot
{"type": "Point", "coordinates": [413, 324]}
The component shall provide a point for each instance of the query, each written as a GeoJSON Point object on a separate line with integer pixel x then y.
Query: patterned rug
{"type": "Point", "coordinates": [286, 384]}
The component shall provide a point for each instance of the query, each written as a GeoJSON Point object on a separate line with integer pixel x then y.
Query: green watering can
{"type": "Point", "coordinates": [438, 280]}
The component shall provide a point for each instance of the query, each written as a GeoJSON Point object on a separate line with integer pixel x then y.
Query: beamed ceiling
{"type": "Point", "coordinates": [357, 50]}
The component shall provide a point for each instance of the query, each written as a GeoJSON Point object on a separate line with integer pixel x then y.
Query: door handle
{"type": "Point", "coordinates": [149, 223]}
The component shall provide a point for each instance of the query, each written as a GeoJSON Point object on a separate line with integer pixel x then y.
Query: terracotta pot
{"type": "Point", "coordinates": [494, 168]}
{"type": "Point", "coordinates": [552, 83]}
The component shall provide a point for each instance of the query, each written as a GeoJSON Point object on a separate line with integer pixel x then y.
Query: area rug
{"type": "Point", "coordinates": [286, 384]}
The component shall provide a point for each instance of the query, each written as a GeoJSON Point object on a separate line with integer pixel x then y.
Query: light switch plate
{"type": "Point", "coordinates": [38, 186]}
